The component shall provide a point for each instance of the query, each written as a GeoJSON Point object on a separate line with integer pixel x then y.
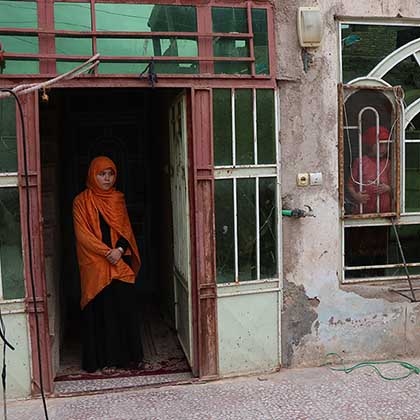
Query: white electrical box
{"type": "Point", "coordinates": [315, 178]}
{"type": "Point", "coordinates": [309, 26]}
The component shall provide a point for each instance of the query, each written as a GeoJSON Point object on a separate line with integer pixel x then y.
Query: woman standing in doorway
{"type": "Point", "coordinates": [109, 262]}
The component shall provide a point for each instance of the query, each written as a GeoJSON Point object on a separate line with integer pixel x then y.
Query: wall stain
{"type": "Point", "coordinates": [298, 316]}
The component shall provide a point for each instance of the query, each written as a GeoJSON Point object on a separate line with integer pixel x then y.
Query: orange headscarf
{"type": "Point", "coordinates": [95, 270]}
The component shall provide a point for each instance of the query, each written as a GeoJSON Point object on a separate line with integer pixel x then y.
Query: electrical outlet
{"type": "Point", "coordinates": [302, 179]}
{"type": "Point", "coordinates": [315, 178]}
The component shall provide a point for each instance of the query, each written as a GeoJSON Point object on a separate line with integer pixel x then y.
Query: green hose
{"type": "Point", "coordinates": [411, 368]}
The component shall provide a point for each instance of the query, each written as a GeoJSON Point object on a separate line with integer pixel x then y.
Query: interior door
{"type": "Point", "coordinates": [180, 222]}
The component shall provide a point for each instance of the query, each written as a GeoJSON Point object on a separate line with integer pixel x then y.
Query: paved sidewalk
{"type": "Point", "coordinates": [312, 393]}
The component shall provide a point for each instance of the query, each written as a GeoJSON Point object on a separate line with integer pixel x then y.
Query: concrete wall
{"type": "Point", "coordinates": [18, 368]}
{"type": "Point", "coordinates": [319, 315]}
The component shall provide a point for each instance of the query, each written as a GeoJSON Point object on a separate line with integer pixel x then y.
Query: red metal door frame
{"type": "Point", "coordinates": [201, 184]}
{"type": "Point", "coordinates": [34, 246]}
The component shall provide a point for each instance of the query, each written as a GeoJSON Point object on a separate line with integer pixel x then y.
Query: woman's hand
{"type": "Point", "coordinates": [360, 197]}
{"type": "Point", "coordinates": [113, 256]}
{"type": "Point", "coordinates": [381, 189]}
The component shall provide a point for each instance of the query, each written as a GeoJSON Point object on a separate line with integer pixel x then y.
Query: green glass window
{"type": "Point", "coordinates": [11, 264]}
{"type": "Point", "coordinates": [378, 246]}
{"type": "Point", "coordinates": [268, 227]}
{"type": "Point", "coordinates": [147, 47]}
{"type": "Point", "coordinates": [73, 46]}
{"type": "Point", "coordinates": [65, 66]}
{"type": "Point", "coordinates": [364, 46]}
{"type": "Point", "coordinates": [20, 44]}
{"type": "Point", "coordinates": [407, 75]}
{"type": "Point", "coordinates": [72, 16]}
{"type": "Point", "coordinates": [8, 147]}
{"type": "Point", "coordinates": [225, 242]}
{"type": "Point", "coordinates": [230, 47]}
{"type": "Point", "coordinates": [222, 126]}
{"type": "Point", "coordinates": [247, 234]}
{"type": "Point", "coordinates": [229, 19]}
{"type": "Point", "coordinates": [412, 177]}
{"type": "Point", "coordinates": [260, 30]}
{"type": "Point", "coordinates": [145, 18]}
{"type": "Point", "coordinates": [20, 67]}
{"type": "Point", "coordinates": [18, 14]}
{"type": "Point", "coordinates": [167, 67]}
{"type": "Point", "coordinates": [244, 127]}
{"type": "Point", "coordinates": [266, 126]}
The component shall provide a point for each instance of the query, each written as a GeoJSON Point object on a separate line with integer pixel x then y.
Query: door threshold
{"type": "Point", "coordinates": [101, 386]}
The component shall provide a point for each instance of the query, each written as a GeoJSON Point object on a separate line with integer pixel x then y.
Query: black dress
{"type": "Point", "coordinates": [110, 322]}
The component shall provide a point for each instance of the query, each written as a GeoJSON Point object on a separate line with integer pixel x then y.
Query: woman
{"type": "Point", "coordinates": [109, 262]}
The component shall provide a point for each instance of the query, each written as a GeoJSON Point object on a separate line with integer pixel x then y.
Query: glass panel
{"type": "Point", "coordinates": [244, 127]}
{"type": "Point", "coordinates": [10, 245]}
{"type": "Point", "coordinates": [229, 19]}
{"type": "Point", "coordinates": [225, 245]}
{"type": "Point", "coordinates": [369, 164]}
{"type": "Point", "coordinates": [18, 14]}
{"type": "Point", "coordinates": [266, 126]}
{"type": "Point", "coordinates": [20, 44]}
{"type": "Point", "coordinates": [65, 66]}
{"type": "Point", "coordinates": [247, 238]}
{"type": "Point", "coordinates": [146, 47]}
{"type": "Point", "coordinates": [412, 177]}
{"type": "Point", "coordinates": [8, 148]}
{"type": "Point", "coordinates": [73, 46]}
{"type": "Point", "coordinates": [237, 67]}
{"type": "Point", "coordinates": [168, 67]}
{"type": "Point", "coordinates": [145, 18]}
{"type": "Point", "coordinates": [72, 16]}
{"type": "Point", "coordinates": [260, 30]}
{"type": "Point", "coordinates": [20, 67]}
{"type": "Point", "coordinates": [413, 129]}
{"type": "Point", "coordinates": [222, 126]}
{"type": "Point", "coordinates": [377, 245]}
{"type": "Point", "coordinates": [229, 47]}
{"type": "Point", "coordinates": [268, 228]}
{"type": "Point", "coordinates": [364, 46]}
{"type": "Point", "coordinates": [407, 75]}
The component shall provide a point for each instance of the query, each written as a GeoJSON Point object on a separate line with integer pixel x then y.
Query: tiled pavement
{"type": "Point", "coordinates": [311, 393]}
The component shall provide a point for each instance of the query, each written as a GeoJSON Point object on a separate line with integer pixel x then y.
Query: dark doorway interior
{"type": "Point", "coordinates": [131, 127]}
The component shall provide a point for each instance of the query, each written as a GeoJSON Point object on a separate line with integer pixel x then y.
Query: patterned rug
{"type": "Point", "coordinates": [162, 354]}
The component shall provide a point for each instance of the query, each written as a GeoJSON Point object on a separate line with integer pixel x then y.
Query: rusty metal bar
{"type": "Point", "coordinates": [262, 4]}
{"type": "Point", "coordinates": [357, 87]}
{"type": "Point", "coordinates": [251, 37]}
{"type": "Point", "coordinates": [93, 27]}
{"type": "Point", "coordinates": [340, 91]}
{"type": "Point", "coordinates": [397, 153]}
{"type": "Point", "coordinates": [370, 215]}
{"type": "Point", "coordinates": [376, 280]}
{"type": "Point", "coordinates": [121, 34]}
{"type": "Point", "coordinates": [63, 57]}
{"type": "Point", "coordinates": [372, 267]}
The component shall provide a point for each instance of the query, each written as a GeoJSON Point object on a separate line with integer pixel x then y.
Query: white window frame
{"type": "Point", "coordinates": [407, 114]}
{"type": "Point", "coordinates": [253, 171]}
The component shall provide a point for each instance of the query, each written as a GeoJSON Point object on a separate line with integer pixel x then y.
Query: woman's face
{"type": "Point", "coordinates": [106, 178]}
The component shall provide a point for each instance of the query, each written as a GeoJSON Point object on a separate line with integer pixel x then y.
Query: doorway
{"type": "Point", "coordinates": [144, 132]}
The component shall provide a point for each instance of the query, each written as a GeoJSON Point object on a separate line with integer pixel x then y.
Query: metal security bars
{"type": "Point", "coordinates": [245, 126]}
{"type": "Point", "coordinates": [369, 151]}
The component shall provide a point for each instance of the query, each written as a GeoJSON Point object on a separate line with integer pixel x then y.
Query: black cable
{"type": "Point", "coordinates": [28, 227]}
{"type": "Point", "coordinates": [3, 371]}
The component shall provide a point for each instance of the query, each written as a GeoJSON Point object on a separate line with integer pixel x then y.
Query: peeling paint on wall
{"type": "Point", "coordinates": [298, 317]}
